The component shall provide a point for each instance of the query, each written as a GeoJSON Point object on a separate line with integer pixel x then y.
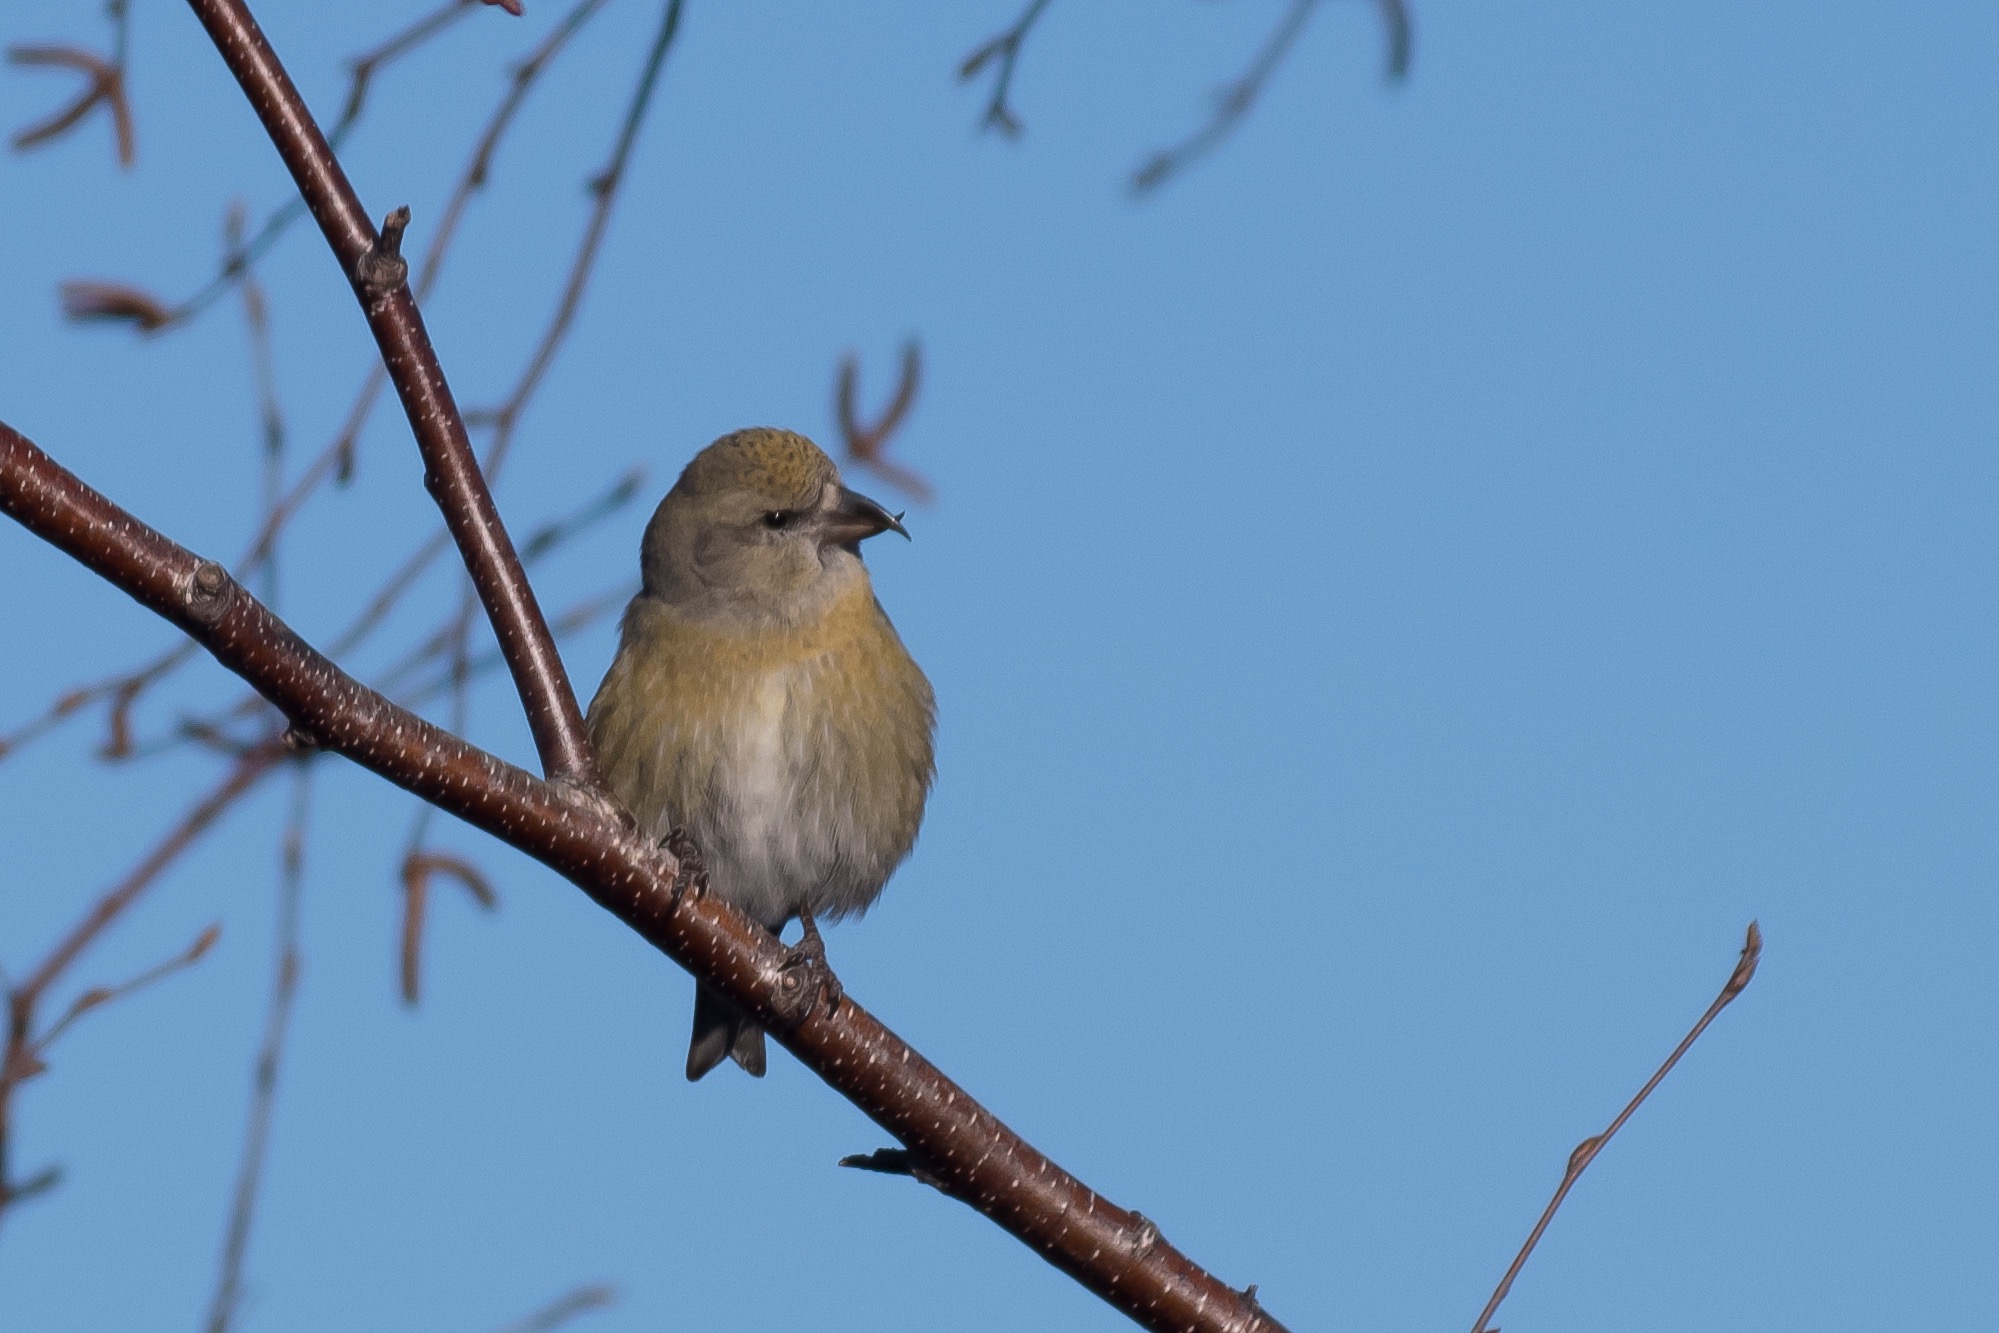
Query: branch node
{"type": "Point", "coordinates": [1144, 1235]}
{"type": "Point", "coordinates": [209, 593]}
{"type": "Point", "coordinates": [382, 268]}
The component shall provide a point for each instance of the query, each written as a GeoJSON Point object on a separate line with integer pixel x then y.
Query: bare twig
{"type": "Point", "coordinates": [395, 681]}
{"type": "Point", "coordinates": [1586, 1151]}
{"type": "Point", "coordinates": [264, 1085]}
{"type": "Point", "coordinates": [472, 180]}
{"type": "Point", "coordinates": [1236, 98]}
{"type": "Point", "coordinates": [23, 1000]}
{"type": "Point", "coordinates": [560, 1311]}
{"type": "Point", "coordinates": [1401, 38]}
{"type": "Point", "coordinates": [451, 472]}
{"type": "Point", "coordinates": [1231, 105]}
{"type": "Point", "coordinates": [419, 868]}
{"type": "Point", "coordinates": [1005, 48]}
{"type": "Point", "coordinates": [239, 259]}
{"type": "Point", "coordinates": [604, 186]}
{"type": "Point", "coordinates": [212, 729]}
{"type": "Point", "coordinates": [976, 1158]}
{"type": "Point", "coordinates": [264, 376]}
{"type": "Point", "coordinates": [121, 690]}
{"type": "Point", "coordinates": [868, 445]}
{"type": "Point", "coordinates": [104, 85]}
{"type": "Point", "coordinates": [98, 996]}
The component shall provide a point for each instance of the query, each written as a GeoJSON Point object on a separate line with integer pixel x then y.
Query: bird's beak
{"type": "Point", "coordinates": [854, 518]}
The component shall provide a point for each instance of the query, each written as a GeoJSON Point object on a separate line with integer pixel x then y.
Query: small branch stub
{"type": "Point", "coordinates": [209, 592]}
{"type": "Point", "coordinates": [894, 1162]}
{"type": "Point", "coordinates": [382, 268]}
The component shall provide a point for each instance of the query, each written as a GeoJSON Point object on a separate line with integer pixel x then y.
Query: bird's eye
{"type": "Point", "coordinates": [779, 519]}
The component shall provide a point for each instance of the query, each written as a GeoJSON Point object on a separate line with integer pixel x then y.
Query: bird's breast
{"type": "Point", "coordinates": [760, 765]}
{"type": "Point", "coordinates": [798, 761]}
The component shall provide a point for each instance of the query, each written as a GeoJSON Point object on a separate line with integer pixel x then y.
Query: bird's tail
{"type": "Point", "coordinates": [722, 1030]}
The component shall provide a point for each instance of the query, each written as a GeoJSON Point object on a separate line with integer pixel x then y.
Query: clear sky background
{"type": "Point", "coordinates": [1401, 601]}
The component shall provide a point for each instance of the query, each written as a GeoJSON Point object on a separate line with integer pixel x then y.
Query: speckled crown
{"type": "Point", "coordinates": [781, 465]}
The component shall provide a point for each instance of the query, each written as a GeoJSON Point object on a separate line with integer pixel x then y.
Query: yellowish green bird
{"type": "Point", "coordinates": [761, 703]}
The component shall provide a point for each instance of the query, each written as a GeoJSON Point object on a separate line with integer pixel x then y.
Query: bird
{"type": "Point", "coordinates": [761, 705]}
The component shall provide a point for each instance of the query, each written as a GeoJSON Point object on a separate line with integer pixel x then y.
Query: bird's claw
{"type": "Point", "coordinates": [693, 873]}
{"type": "Point", "coordinates": [804, 978]}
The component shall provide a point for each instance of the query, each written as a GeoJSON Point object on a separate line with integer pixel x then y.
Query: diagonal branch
{"type": "Point", "coordinates": [1231, 105]}
{"type": "Point", "coordinates": [451, 472]}
{"type": "Point", "coordinates": [578, 833]}
{"type": "Point", "coordinates": [1586, 1151]}
{"type": "Point", "coordinates": [1237, 97]}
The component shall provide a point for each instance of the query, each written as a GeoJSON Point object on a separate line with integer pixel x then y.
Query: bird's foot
{"type": "Point", "coordinates": [804, 978]}
{"type": "Point", "coordinates": [693, 873]}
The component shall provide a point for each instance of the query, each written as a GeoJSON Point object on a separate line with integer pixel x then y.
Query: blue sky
{"type": "Point", "coordinates": [1401, 600]}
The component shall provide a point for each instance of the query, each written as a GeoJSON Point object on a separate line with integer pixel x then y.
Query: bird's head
{"type": "Point", "coordinates": [759, 526]}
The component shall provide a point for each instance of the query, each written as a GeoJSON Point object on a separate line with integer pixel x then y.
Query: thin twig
{"type": "Point", "coordinates": [395, 681]}
{"type": "Point", "coordinates": [556, 1313]}
{"type": "Point", "coordinates": [1586, 1151]}
{"type": "Point", "coordinates": [1005, 48]}
{"type": "Point", "coordinates": [1399, 30]}
{"type": "Point", "coordinates": [470, 182]}
{"type": "Point", "coordinates": [418, 869]}
{"type": "Point", "coordinates": [270, 413]}
{"type": "Point", "coordinates": [99, 996]}
{"type": "Point", "coordinates": [1231, 105]}
{"type": "Point", "coordinates": [868, 445]}
{"type": "Point", "coordinates": [212, 728]}
{"type": "Point", "coordinates": [17, 1062]}
{"type": "Point", "coordinates": [264, 1084]}
{"type": "Point", "coordinates": [1236, 98]}
{"type": "Point", "coordinates": [104, 85]}
{"type": "Point", "coordinates": [604, 186]}
{"type": "Point", "coordinates": [361, 72]}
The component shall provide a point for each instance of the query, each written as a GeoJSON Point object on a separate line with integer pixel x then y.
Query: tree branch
{"type": "Point", "coordinates": [579, 834]}
{"type": "Point", "coordinates": [1586, 1151]}
{"type": "Point", "coordinates": [1004, 48]}
{"type": "Point", "coordinates": [451, 473]}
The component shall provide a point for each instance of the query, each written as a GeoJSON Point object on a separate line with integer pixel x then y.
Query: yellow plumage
{"type": "Point", "coordinates": [761, 700]}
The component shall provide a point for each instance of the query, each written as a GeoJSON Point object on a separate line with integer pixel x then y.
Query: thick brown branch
{"type": "Point", "coordinates": [579, 834]}
{"type": "Point", "coordinates": [451, 473]}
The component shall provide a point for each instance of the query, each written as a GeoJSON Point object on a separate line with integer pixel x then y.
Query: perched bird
{"type": "Point", "coordinates": [760, 702]}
